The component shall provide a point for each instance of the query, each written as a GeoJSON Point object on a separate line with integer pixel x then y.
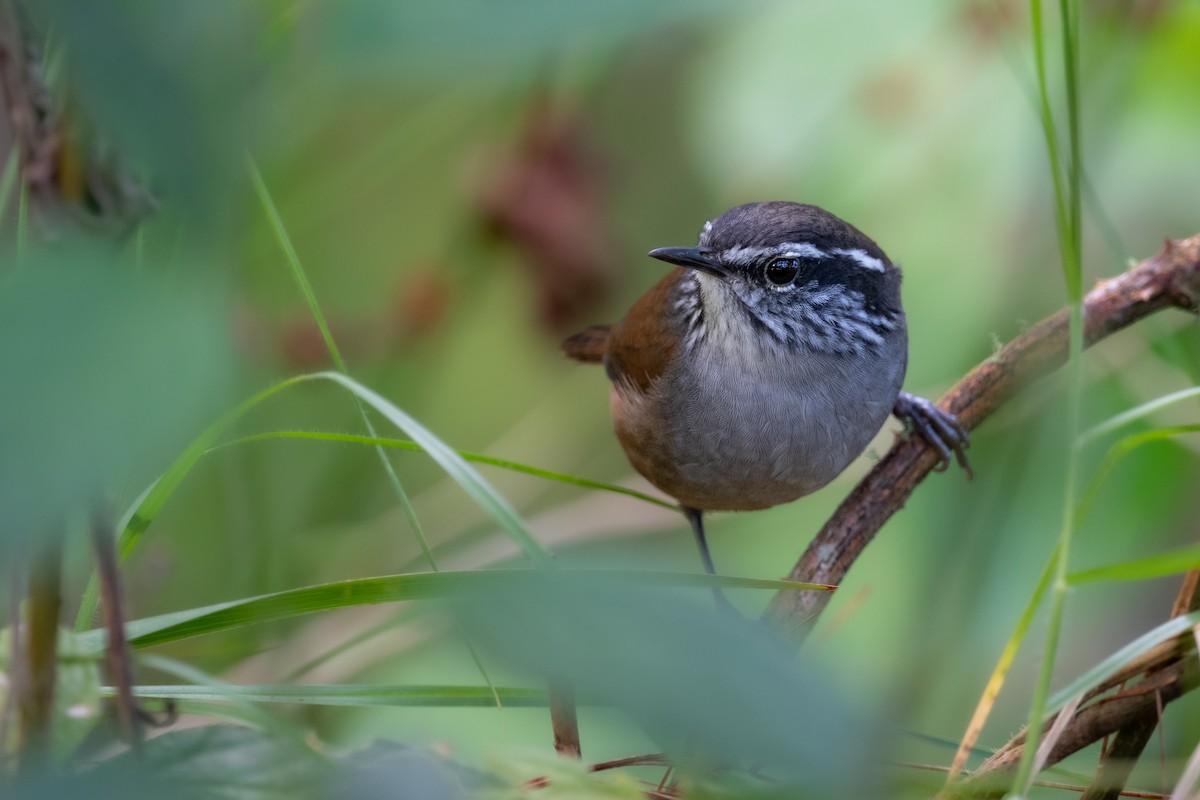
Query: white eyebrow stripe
{"type": "Point", "coordinates": [861, 257]}
{"type": "Point", "coordinates": [748, 255]}
{"type": "Point", "coordinates": [801, 250]}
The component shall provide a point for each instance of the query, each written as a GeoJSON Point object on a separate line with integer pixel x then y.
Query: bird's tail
{"type": "Point", "coordinates": [588, 345]}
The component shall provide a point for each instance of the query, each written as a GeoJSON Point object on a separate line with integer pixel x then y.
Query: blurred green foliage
{"type": "Point", "coordinates": [388, 135]}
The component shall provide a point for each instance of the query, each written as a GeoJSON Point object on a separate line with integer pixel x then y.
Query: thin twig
{"type": "Point", "coordinates": [646, 760]}
{"type": "Point", "coordinates": [112, 603]}
{"type": "Point", "coordinates": [563, 721]}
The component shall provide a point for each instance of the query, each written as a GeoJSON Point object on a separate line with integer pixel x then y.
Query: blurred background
{"type": "Point", "coordinates": [468, 182]}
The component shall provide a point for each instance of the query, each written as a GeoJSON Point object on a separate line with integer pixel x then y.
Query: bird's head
{"type": "Point", "coordinates": [796, 273]}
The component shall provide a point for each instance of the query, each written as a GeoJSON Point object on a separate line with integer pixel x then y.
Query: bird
{"type": "Point", "coordinates": [755, 373]}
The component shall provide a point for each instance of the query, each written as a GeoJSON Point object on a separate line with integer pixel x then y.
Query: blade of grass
{"type": "Point", "coordinates": [1068, 220]}
{"type": "Point", "coordinates": [250, 713]}
{"type": "Point", "coordinates": [386, 589]}
{"type": "Point", "coordinates": [478, 458]}
{"type": "Point", "coordinates": [144, 510]}
{"type": "Point", "coordinates": [453, 464]}
{"type": "Point", "coordinates": [996, 680]}
{"type": "Point", "coordinates": [1141, 569]}
{"type": "Point", "coordinates": [1118, 253]}
{"type": "Point", "coordinates": [217, 711]}
{"type": "Point", "coordinates": [396, 620]}
{"type": "Point", "coordinates": [1156, 566]}
{"type": "Point", "coordinates": [1190, 779]}
{"type": "Point", "coordinates": [1072, 263]}
{"type": "Point", "coordinates": [1109, 666]}
{"type": "Point", "coordinates": [310, 297]}
{"type": "Point", "coordinates": [1133, 414]}
{"type": "Point", "coordinates": [1118, 451]}
{"type": "Point", "coordinates": [444, 696]}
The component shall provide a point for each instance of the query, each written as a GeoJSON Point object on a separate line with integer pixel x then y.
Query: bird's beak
{"type": "Point", "coordinates": [700, 258]}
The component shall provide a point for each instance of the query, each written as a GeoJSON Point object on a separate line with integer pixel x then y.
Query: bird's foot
{"type": "Point", "coordinates": [938, 427]}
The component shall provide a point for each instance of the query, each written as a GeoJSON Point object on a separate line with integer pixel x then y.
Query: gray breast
{"type": "Point", "coordinates": [742, 430]}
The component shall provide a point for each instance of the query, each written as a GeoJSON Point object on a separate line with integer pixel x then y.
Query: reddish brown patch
{"type": "Point", "coordinates": [642, 345]}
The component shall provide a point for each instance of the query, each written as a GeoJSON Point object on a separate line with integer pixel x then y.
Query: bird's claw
{"type": "Point", "coordinates": [938, 427]}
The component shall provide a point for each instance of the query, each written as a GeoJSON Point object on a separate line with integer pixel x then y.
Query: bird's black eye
{"type": "Point", "coordinates": [782, 271]}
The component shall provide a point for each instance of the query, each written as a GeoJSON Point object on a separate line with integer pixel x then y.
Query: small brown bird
{"type": "Point", "coordinates": [759, 371]}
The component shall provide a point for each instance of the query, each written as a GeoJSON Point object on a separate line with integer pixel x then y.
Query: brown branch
{"type": "Point", "coordinates": [1132, 737]}
{"type": "Point", "coordinates": [1166, 683]}
{"type": "Point", "coordinates": [1126, 748]}
{"type": "Point", "coordinates": [1166, 672]}
{"type": "Point", "coordinates": [1169, 279]}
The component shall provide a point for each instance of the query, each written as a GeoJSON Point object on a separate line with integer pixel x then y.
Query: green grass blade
{"type": "Point", "coordinates": [1073, 265]}
{"type": "Point", "coordinates": [999, 676]}
{"type": "Point", "coordinates": [1141, 569]}
{"type": "Point", "coordinates": [463, 473]}
{"type": "Point", "coordinates": [217, 711]}
{"type": "Point", "coordinates": [477, 458]}
{"type": "Point", "coordinates": [403, 617]}
{"type": "Point", "coordinates": [294, 263]}
{"type": "Point", "coordinates": [1068, 219]}
{"type": "Point", "coordinates": [1109, 666]}
{"type": "Point", "coordinates": [441, 696]}
{"type": "Point", "coordinates": [1139, 412]}
{"type": "Point", "coordinates": [249, 713]}
{"type": "Point", "coordinates": [385, 589]}
{"type": "Point", "coordinates": [310, 297]}
{"type": "Point", "coordinates": [144, 510]}
{"type": "Point", "coordinates": [1046, 116]}
{"type": "Point", "coordinates": [1118, 451]}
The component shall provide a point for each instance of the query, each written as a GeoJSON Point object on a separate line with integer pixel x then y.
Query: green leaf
{"type": "Point", "coordinates": [386, 769]}
{"type": "Point", "coordinates": [220, 761]}
{"type": "Point", "coordinates": [704, 685]}
{"type": "Point", "coordinates": [106, 375]}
